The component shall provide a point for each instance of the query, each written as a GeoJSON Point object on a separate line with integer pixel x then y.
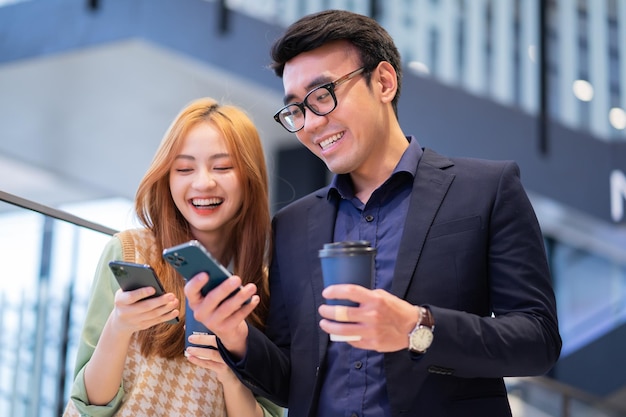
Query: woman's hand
{"type": "Point", "coordinates": [133, 311]}
{"type": "Point", "coordinates": [210, 358]}
{"type": "Point", "coordinates": [239, 400]}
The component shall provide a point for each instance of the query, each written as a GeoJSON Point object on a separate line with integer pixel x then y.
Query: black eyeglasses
{"type": "Point", "coordinates": [321, 101]}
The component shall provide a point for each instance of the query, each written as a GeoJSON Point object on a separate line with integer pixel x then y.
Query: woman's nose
{"type": "Point", "coordinates": [204, 179]}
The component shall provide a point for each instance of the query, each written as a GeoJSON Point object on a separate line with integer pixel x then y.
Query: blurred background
{"type": "Point", "coordinates": [88, 88]}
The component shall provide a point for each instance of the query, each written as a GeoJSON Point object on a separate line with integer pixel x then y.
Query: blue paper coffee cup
{"type": "Point", "coordinates": [350, 262]}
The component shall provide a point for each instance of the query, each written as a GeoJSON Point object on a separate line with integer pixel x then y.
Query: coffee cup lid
{"type": "Point", "coordinates": [346, 247]}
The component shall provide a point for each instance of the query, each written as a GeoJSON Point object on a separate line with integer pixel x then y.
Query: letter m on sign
{"type": "Point", "coordinates": [618, 195]}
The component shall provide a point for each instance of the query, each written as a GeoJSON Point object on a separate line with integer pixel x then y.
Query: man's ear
{"type": "Point", "coordinates": [384, 77]}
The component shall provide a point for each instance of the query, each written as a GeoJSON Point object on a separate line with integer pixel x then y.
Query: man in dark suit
{"type": "Point", "coordinates": [462, 293]}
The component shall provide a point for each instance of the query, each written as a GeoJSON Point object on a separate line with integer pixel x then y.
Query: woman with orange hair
{"type": "Point", "coordinates": [208, 182]}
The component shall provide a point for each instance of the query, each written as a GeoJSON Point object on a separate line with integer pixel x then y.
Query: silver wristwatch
{"type": "Point", "coordinates": [421, 336]}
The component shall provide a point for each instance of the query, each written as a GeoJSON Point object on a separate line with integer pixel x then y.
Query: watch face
{"type": "Point", "coordinates": [421, 338]}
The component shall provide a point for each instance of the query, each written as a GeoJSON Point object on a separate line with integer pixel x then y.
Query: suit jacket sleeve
{"type": "Point", "coordinates": [484, 274]}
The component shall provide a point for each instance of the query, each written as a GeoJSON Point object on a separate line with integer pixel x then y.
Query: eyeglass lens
{"type": "Point", "coordinates": [320, 101]}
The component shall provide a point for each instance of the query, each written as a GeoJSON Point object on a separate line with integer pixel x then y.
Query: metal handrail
{"type": "Point", "coordinates": [54, 213]}
{"type": "Point", "coordinates": [569, 394]}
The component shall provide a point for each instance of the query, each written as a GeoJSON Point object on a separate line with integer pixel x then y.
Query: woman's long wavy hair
{"type": "Point", "coordinates": [248, 239]}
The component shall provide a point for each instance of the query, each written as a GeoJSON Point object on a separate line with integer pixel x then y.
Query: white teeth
{"type": "Point", "coordinates": [327, 142]}
{"type": "Point", "coordinates": [206, 201]}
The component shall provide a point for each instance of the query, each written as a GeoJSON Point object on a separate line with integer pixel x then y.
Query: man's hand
{"type": "Point", "coordinates": [383, 320]}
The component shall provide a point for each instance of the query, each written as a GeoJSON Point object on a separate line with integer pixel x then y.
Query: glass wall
{"type": "Point", "coordinates": [591, 294]}
{"type": "Point", "coordinates": [47, 268]}
{"type": "Point", "coordinates": [588, 264]}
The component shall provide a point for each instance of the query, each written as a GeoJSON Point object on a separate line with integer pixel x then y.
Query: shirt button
{"type": "Point", "coordinates": [369, 218]}
{"type": "Point", "coordinates": [358, 365]}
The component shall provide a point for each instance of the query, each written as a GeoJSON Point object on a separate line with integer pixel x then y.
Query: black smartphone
{"type": "Point", "coordinates": [191, 258]}
{"type": "Point", "coordinates": [132, 276]}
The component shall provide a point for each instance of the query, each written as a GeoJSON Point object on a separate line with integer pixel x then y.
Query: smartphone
{"type": "Point", "coordinates": [193, 326]}
{"type": "Point", "coordinates": [132, 276]}
{"type": "Point", "coordinates": [191, 258]}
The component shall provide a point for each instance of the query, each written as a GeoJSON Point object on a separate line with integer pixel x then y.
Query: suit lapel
{"type": "Point", "coordinates": [320, 228]}
{"type": "Point", "coordinates": [429, 189]}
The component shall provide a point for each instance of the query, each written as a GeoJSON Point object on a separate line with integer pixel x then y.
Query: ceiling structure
{"type": "Point", "coordinates": [86, 123]}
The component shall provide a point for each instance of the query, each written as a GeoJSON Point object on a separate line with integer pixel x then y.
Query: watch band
{"type": "Point", "coordinates": [426, 319]}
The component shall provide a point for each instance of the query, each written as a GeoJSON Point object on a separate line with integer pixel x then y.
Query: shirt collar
{"type": "Point", "coordinates": [341, 184]}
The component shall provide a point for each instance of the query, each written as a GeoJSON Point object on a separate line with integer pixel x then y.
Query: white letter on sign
{"type": "Point", "coordinates": [618, 195]}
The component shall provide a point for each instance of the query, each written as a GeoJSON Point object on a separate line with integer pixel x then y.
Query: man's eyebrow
{"type": "Point", "coordinates": [288, 98]}
{"type": "Point", "coordinates": [315, 82]}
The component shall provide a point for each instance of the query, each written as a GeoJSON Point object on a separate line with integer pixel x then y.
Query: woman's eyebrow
{"type": "Point", "coordinates": [212, 157]}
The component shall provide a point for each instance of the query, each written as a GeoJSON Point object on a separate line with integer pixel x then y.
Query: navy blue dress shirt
{"type": "Point", "coordinates": [355, 384]}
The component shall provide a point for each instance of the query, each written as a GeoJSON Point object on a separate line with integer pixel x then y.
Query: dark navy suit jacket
{"type": "Point", "coordinates": [471, 251]}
